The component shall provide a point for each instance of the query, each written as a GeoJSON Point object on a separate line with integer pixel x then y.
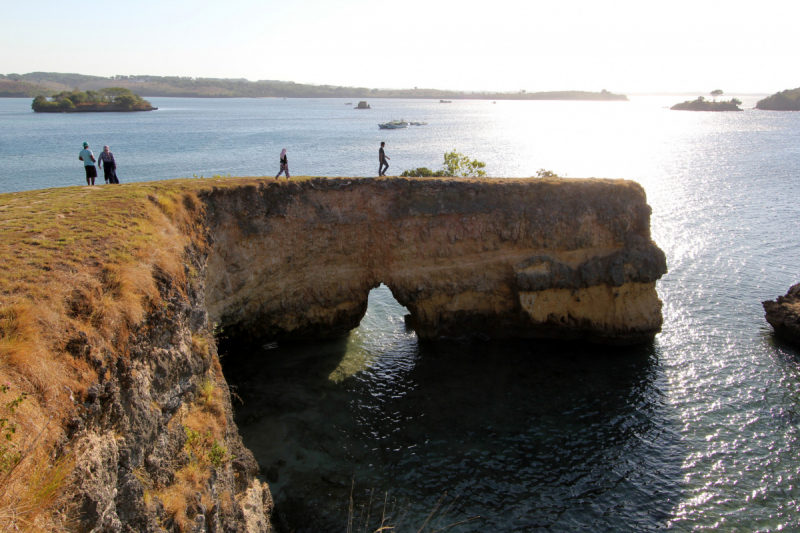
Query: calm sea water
{"type": "Point", "coordinates": [698, 431]}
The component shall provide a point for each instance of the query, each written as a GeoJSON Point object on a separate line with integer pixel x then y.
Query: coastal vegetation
{"type": "Point", "coordinates": [701, 104]}
{"type": "Point", "coordinates": [107, 99]}
{"type": "Point", "coordinates": [788, 100]}
{"type": "Point", "coordinates": [242, 88]}
{"type": "Point", "coordinates": [455, 165]}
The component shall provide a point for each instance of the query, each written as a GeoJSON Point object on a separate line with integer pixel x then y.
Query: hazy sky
{"type": "Point", "coordinates": [626, 46]}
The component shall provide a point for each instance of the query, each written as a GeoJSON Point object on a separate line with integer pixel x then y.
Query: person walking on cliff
{"type": "Point", "coordinates": [382, 158]}
{"type": "Point", "coordinates": [109, 166]}
{"type": "Point", "coordinates": [284, 165]}
{"type": "Point", "coordinates": [87, 157]}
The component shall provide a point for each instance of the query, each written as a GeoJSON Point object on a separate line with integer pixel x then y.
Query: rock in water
{"type": "Point", "coordinates": [784, 314]}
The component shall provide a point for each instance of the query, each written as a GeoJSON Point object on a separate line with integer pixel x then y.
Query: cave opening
{"type": "Point", "coordinates": [311, 408]}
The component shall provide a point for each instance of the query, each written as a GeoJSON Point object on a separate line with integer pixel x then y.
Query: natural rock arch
{"type": "Point", "coordinates": [503, 258]}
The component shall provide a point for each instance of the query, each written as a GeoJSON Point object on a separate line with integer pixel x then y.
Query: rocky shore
{"type": "Point", "coordinates": [783, 314]}
{"type": "Point", "coordinates": [111, 298]}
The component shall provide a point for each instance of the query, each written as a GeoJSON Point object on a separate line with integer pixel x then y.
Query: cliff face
{"type": "Point", "coordinates": [784, 314]}
{"type": "Point", "coordinates": [109, 298]}
{"type": "Point", "coordinates": [524, 258]}
{"type": "Point", "coordinates": [144, 439]}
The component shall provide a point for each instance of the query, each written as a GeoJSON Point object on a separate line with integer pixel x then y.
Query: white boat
{"type": "Point", "coordinates": [393, 125]}
{"type": "Point", "coordinates": [418, 123]}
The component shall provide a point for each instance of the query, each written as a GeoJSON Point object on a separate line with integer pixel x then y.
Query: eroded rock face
{"type": "Point", "coordinates": [504, 257]}
{"type": "Point", "coordinates": [784, 314]}
{"type": "Point", "coordinates": [129, 438]}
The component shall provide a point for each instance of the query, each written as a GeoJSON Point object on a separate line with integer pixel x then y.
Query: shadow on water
{"type": "Point", "coordinates": [528, 434]}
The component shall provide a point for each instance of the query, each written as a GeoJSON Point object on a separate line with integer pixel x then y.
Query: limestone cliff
{"type": "Point", "coordinates": [109, 299]}
{"type": "Point", "coordinates": [784, 314]}
{"type": "Point", "coordinates": [525, 258]}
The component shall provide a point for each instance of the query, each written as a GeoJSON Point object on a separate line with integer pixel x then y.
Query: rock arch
{"type": "Point", "coordinates": [568, 258]}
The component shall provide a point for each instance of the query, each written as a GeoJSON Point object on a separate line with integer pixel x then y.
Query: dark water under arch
{"type": "Point", "coordinates": [527, 434]}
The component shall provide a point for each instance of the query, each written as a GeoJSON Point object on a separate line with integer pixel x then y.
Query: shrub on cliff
{"type": "Point", "coordinates": [455, 165]}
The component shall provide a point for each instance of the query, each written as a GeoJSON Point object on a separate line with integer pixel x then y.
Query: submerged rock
{"type": "Point", "coordinates": [784, 314]}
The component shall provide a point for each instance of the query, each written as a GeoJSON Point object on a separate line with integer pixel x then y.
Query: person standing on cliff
{"type": "Point", "coordinates": [284, 164]}
{"type": "Point", "coordinates": [382, 158]}
{"type": "Point", "coordinates": [109, 166]}
{"type": "Point", "coordinates": [87, 157]}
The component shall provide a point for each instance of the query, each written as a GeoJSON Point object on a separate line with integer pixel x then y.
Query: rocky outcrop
{"type": "Point", "coordinates": [134, 471]}
{"type": "Point", "coordinates": [562, 258]}
{"type": "Point", "coordinates": [784, 314]}
{"type": "Point", "coordinates": [112, 296]}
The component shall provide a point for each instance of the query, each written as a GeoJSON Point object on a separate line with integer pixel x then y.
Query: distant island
{"type": "Point", "coordinates": [701, 104]}
{"type": "Point", "coordinates": [104, 100]}
{"type": "Point", "coordinates": [52, 83]}
{"type": "Point", "coordinates": [788, 100]}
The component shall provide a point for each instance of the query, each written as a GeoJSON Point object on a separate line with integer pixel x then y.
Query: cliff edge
{"type": "Point", "coordinates": [111, 297]}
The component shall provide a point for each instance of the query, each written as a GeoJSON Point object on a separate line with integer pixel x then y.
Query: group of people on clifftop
{"type": "Point", "coordinates": [109, 166]}
{"type": "Point", "coordinates": [105, 161]}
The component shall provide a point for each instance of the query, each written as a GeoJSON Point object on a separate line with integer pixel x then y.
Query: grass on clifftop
{"type": "Point", "coordinates": [73, 261]}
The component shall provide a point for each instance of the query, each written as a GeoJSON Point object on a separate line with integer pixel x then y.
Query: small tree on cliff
{"type": "Point", "coordinates": [455, 165]}
{"type": "Point", "coordinates": [716, 93]}
{"type": "Point", "coordinates": [459, 165]}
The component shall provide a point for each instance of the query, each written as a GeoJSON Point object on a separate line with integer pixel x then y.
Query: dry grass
{"type": "Point", "coordinates": [77, 261]}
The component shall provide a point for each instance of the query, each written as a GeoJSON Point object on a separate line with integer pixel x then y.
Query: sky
{"type": "Point", "coordinates": [496, 45]}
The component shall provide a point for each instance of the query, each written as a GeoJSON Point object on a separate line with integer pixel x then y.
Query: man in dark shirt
{"type": "Point", "coordinates": [382, 159]}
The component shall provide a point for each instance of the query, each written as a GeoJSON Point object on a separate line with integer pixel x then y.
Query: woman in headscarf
{"type": "Point", "coordinates": [110, 166]}
{"type": "Point", "coordinates": [284, 164]}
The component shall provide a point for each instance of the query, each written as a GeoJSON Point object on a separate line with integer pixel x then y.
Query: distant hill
{"type": "Point", "coordinates": [788, 100]}
{"type": "Point", "coordinates": [13, 88]}
{"type": "Point", "coordinates": [149, 86]}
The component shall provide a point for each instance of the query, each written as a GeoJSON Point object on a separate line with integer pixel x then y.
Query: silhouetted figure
{"type": "Point", "coordinates": [284, 165]}
{"type": "Point", "coordinates": [382, 158]}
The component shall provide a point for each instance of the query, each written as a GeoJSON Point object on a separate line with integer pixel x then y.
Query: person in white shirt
{"type": "Point", "coordinates": [87, 157]}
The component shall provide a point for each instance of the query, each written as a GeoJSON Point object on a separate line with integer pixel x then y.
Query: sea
{"type": "Point", "coordinates": [696, 431]}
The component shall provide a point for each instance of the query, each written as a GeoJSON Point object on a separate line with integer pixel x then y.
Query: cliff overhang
{"type": "Point", "coordinates": [110, 298]}
{"type": "Point", "coordinates": [498, 258]}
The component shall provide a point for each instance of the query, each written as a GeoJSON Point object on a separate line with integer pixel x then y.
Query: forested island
{"type": "Point", "coordinates": [788, 100]}
{"type": "Point", "coordinates": [104, 100]}
{"type": "Point", "coordinates": [701, 104]}
{"type": "Point", "coordinates": [51, 83]}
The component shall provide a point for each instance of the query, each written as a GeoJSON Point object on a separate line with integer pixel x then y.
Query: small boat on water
{"type": "Point", "coordinates": [418, 123]}
{"type": "Point", "coordinates": [445, 101]}
{"type": "Point", "coordinates": [362, 105]}
{"type": "Point", "coordinates": [348, 103]}
{"type": "Point", "coordinates": [393, 125]}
